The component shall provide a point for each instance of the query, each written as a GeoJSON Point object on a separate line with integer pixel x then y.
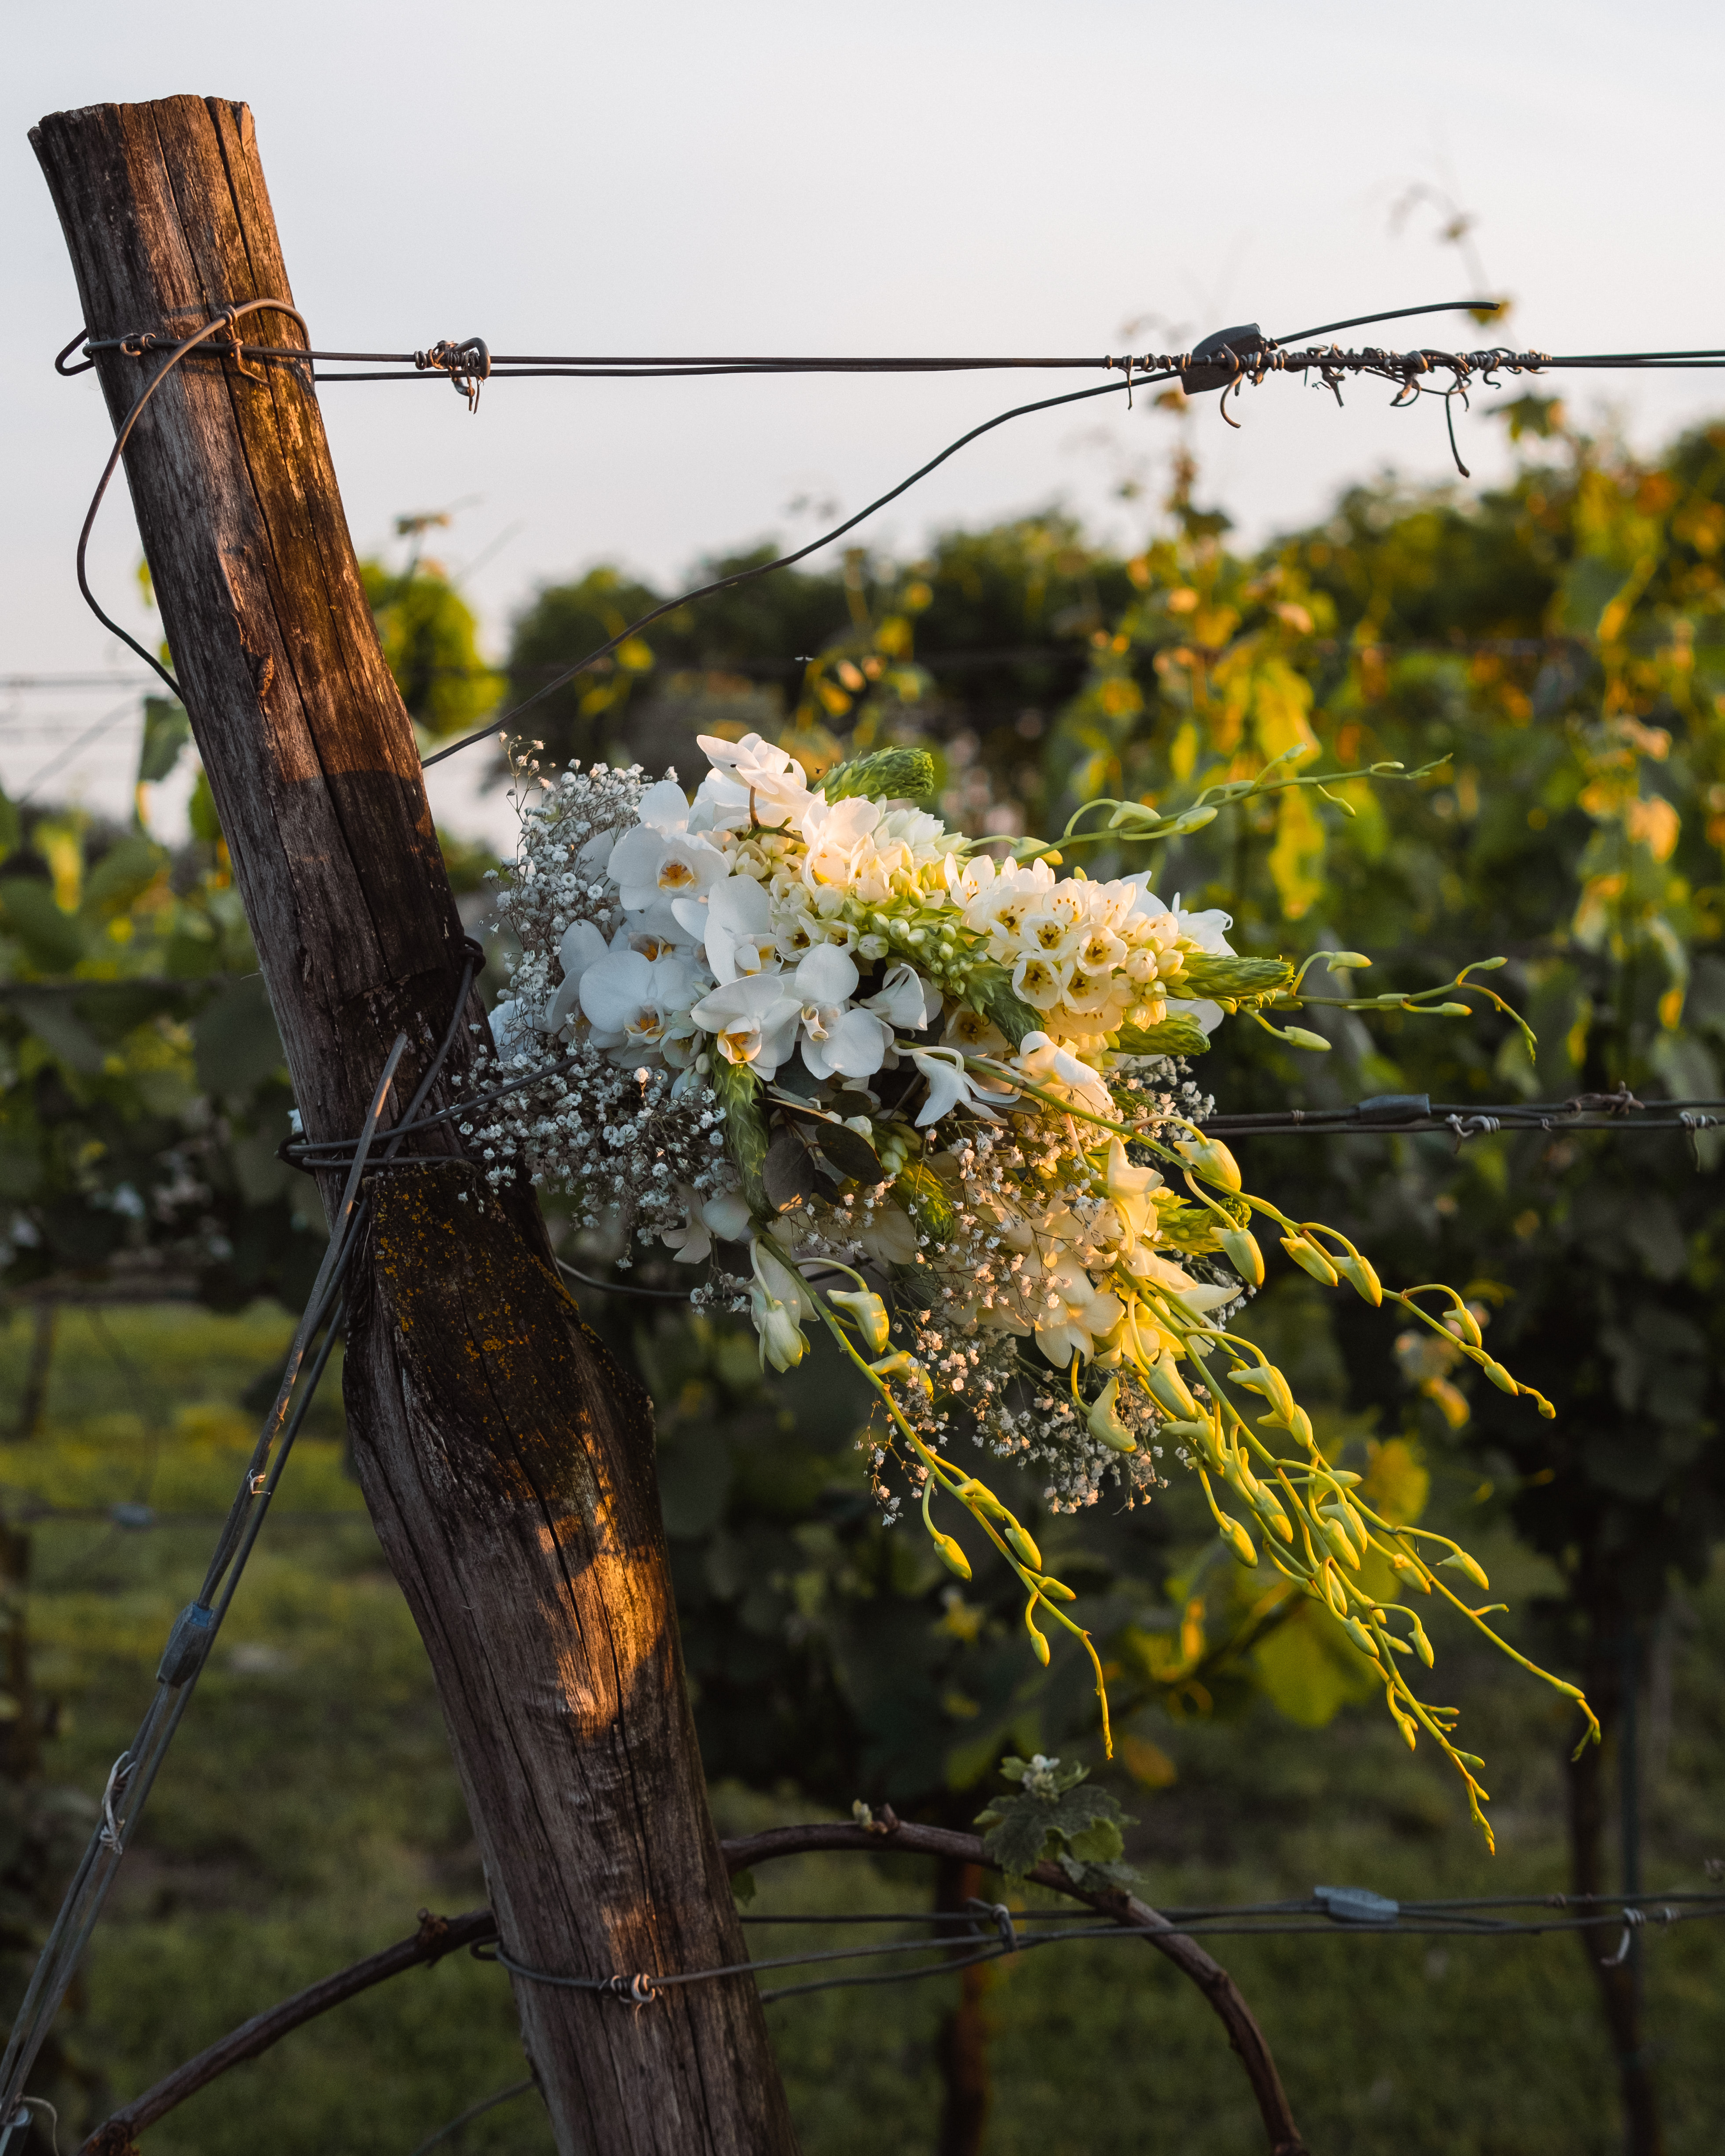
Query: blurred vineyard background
{"type": "Point", "coordinates": [1562, 643]}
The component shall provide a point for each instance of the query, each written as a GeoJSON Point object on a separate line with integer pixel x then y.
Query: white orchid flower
{"type": "Point", "coordinates": [750, 781]}
{"type": "Point", "coordinates": [906, 999]}
{"type": "Point", "coordinates": [753, 1020]}
{"type": "Point", "coordinates": [631, 1000]}
{"type": "Point", "coordinates": [1071, 1313]}
{"type": "Point", "coordinates": [582, 945]}
{"type": "Point", "coordinates": [652, 868]}
{"type": "Point", "coordinates": [776, 1304]}
{"type": "Point", "coordinates": [664, 807]}
{"type": "Point", "coordinates": [951, 1086]}
{"type": "Point", "coordinates": [723, 1217]}
{"type": "Point", "coordinates": [1046, 1063]}
{"type": "Point", "coordinates": [737, 927]}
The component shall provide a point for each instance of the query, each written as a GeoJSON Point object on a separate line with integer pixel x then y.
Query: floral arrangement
{"type": "Point", "coordinates": [936, 1104]}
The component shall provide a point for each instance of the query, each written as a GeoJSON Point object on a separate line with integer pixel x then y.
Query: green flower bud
{"type": "Point", "coordinates": [1460, 1321]}
{"type": "Point", "coordinates": [1499, 1376]}
{"type": "Point", "coordinates": [1298, 1037]}
{"type": "Point", "coordinates": [1057, 1590]}
{"type": "Point", "coordinates": [1422, 1645]}
{"type": "Point", "coordinates": [1240, 1246]}
{"type": "Point", "coordinates": [1237, 1539]}
{"type": "Point", "coordinates": [1360, 1636]}
{"type": "Point", "coordinates": [1039, 1645]}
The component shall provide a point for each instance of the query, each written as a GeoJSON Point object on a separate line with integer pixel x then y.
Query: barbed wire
{"type": "Point", "coordinates": [1389, 1115]}
{"type": "Point", "coordinates": [1226, 361]}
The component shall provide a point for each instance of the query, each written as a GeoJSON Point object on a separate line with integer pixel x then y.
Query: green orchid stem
{"type": "Point", "coordinates": [955, 1486]}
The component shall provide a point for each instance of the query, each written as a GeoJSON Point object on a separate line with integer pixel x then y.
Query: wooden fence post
{"type": "Point", "coordinates": [508, 1464]}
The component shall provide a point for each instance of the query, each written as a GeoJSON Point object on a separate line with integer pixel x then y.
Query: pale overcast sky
{"type": "Point", "coordinates": [912, 175]}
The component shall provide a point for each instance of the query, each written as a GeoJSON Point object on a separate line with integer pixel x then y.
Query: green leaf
{"type": "Point", "coordinates": [123, 874]}
{"type": "Point", "coordinates": [167, 731]}
{"type": "Point", "coordinates": [52, 940]}
{"type": "Point", "coordinates": [926, 1200]}
{"type": "Point", "coordinates": [991, 992]}
{"type": "Point", "coordinates": [238, 1046]}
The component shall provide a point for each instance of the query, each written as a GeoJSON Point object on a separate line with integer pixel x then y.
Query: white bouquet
{"type": "Point", "coordinates": [932, 1103]}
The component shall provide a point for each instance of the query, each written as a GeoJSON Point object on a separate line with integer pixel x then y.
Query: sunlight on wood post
{"type": "Point", "coordinates": [508, 1464]}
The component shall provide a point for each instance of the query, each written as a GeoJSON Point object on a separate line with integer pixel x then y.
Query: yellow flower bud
{"type": "Point", "coordinates": [1422, 1645]}
{"type": "Point", "coordinates": [1237, 1539]}
{"type": "Point", "coordinates": [1335, 1533]}
{"type": "Point", "coordinates": [1039, 1645]}
{"type": "Point", "coordinates": [1211, 1159]}
{"type": "Point", "coordinates": [1104, 1420]}
{"type": "Point", "coordinates": [1311, 1258]}
{"type": "Point", "coordinates": [1057, 1590]}
{"type": "Point", "coordinates": [1462, 1562]}
{"type": "Point", "coordinates": [951, 1556]}
{"type": "Point", "coordinates": [1023, 1547]}
{"type": "Point", "coordinates": [1299, 1037]}
{"type": "Point", "coordinates": [869, 1313]}
{"type": "Point", "coordinates": [1362, 1278]}
{"type": "Point", "coordinates": [1240, 1246]}
{"type": "Point", "coordinates": [1167, 1388]}
{"type": "Point", "coordinates": [1266, 1380]}
{"type": "Point", "coordinates": [1499, 1376]}
{"type": "Point", "coordinates": [1267, 1506]}
{"type": "Point", "coordinates": [1360, 1636]}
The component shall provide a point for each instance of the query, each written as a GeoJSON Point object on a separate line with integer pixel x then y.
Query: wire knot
{"type": "Point", "coordinates": [467, 363]}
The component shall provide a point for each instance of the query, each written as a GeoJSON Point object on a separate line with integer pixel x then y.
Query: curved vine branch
{"type": "Point", "coordinates": [438, 1936]}
{"type": "Point", "coordinates": [1189, 1956]}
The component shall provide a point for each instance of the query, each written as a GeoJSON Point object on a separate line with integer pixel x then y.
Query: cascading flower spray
{"type": "Point", "coordinates": [813, 1032]}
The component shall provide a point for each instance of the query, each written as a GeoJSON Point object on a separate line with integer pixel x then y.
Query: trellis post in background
{"type": "Point", "coordinates": [508, 1464]}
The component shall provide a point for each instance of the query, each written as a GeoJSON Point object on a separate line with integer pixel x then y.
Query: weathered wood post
{"type": "Point", "coordinates": [507, 1463]}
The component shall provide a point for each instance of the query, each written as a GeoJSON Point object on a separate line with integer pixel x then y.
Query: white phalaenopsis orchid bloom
{"type": "Point", "coordinates": [737, 925]}
{"type": "Point", "coordinates": [751, 782]}
{"type": "Point", "coordinates": [837, 1039]}
{"type": "Point", "coordinates": [777, 1304]}
{"type": "Point", "coordinates": [652, 868]}
{"type": "Point", "coordinates": [631, 1000]}
{"type": "Point", "coordinates": [951, 1086]}
{"type": "Point", "coordinates": [1046, 1063]}
{"type": "Point", "coordinates": [512, 1031]}
{"type": "Point", "coordinates": [754, 1020]}
{"type": "Point", "coordinates": [723, 1217]}
{"type": "Point", "coordinates": [582, 945]}
{"type": "Point", "coordinates": [905, 1000]}
{"type": "Point", "coordinates": [1072, 1313]}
